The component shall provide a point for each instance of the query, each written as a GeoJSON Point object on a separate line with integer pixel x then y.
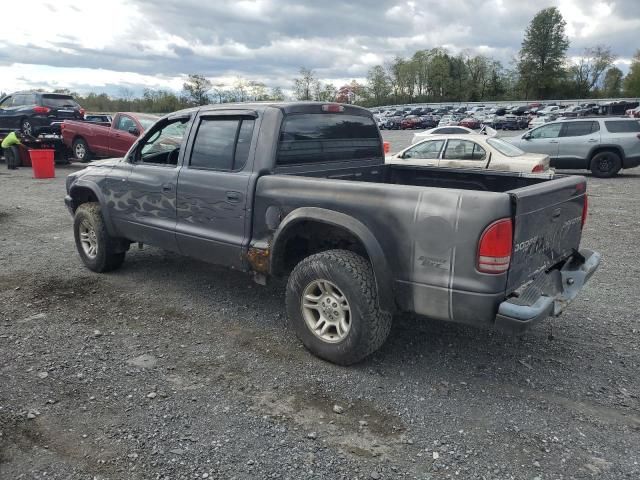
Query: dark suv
{"type": "Point", "coordinates": [36, 112]}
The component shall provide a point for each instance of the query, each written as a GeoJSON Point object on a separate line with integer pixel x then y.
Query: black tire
{"type": "Point", "coordinates": [109, 255]}
{"type": "Point", "coordinates": [80, 150]}
{"type": "Point", "coordinates": [605, 164]}
{"type": "Point", "coordinates": [353, 275]}
{"type": "Point", "coordinates": [26, 127]}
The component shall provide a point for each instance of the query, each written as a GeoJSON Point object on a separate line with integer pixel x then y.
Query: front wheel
{"type": "Point", "coordinates": [605, 164]}
{"type": "Point", "coordinates": [332, 306]}
{"type": "Point", "coordinates": [98, 250]}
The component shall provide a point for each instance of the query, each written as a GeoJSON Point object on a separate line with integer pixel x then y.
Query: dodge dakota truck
{"type": "Point", "coordinates": [300, 190]}
{"type": "Point", "coordinates": [88, 140]}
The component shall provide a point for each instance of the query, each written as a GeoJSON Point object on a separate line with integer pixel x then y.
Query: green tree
{"type": "Point", "coordinates": [305, 85]}
{"type": "Point", "coordinates": [587, 72]}
{"type": "Point", "coordinates": [632, 80]}
{"type": "Point", "coordinates": [276, 94]}
{"type": "Point", "coordinates": [543, 52]}
{"type": "Point", "coordinates": [378, 84]}
{"type": "Point", "coordinates": [612, 83]}
{"type": "Point", "coordinates": [197, 88]}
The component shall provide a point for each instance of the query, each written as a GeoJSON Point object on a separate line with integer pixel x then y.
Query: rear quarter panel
{"type": "Point", "coordinates": [429, 236]}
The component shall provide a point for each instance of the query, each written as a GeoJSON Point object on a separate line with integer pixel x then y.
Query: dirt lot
{"type": "Point", "coordinates": [173, 369]}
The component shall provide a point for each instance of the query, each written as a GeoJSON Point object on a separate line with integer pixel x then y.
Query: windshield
{"type": "Point", "coordinates": [58, 101]}
{"type": "Point", "coordinates": [505, 148]}
{"type": "Point", "coordinates": [147, 121]}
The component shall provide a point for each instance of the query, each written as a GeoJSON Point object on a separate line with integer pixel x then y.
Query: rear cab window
{"type": "Point", "coordinates": [328, 137]}
{"type": "Point", "coordinates": [622, 126]}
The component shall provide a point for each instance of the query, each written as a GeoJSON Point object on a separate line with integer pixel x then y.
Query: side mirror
{"type": "Point", "coordinates": [405, 155]}
{"type": "Point", "coordinates": [527, 136]}
{"type": "Point", "coordinates": [134, 131]}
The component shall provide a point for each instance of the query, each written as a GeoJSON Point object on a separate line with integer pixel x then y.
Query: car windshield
{"type": "Point", "coordinates": [505, 148]}
{"type": "Point", "coordinates": [147, 120]}
{"type": "Point", "coordinates": [57, 101]}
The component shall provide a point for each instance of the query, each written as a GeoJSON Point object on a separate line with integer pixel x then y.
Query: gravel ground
{"type": "Point", "coordinates": [170, 368]}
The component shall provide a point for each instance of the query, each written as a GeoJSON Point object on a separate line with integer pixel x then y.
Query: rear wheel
{"type": "Point", "coordinates": [605, 164]}
{"type": "Point", "coordinates": [81, 150]}
{"type": "Point", "coordinates": [98, 250]}
{"type": "Point", "coordinates": [332, 306]}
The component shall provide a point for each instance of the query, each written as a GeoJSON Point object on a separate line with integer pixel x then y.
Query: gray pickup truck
{"type": "Point", "coordinates": [300, 190]}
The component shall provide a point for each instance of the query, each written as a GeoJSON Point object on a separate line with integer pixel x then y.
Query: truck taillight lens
{"type": "Point", "coordinates": [494, 249]}
{"type": "Point", "coordinates": [585, 210]}
{"type": "Point", "coordinates": [386, 146]}
{"type": "Point", "coordinates": [82, 112]}
{"type": "Point", "coordinates": [41, 110]}
{"type": "Point", "coordinates": [538, 168]}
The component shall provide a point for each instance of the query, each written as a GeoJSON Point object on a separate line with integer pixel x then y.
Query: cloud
{"type": "Point", "coordinates": [156, 43]}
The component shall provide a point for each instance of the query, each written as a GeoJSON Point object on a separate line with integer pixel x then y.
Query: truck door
{"type": "Point", "coordinates": [212, 198]}
{"type": "Point", "coordinates": [147, 211]}
{"type": "Point", "coordinates": [121, 135]}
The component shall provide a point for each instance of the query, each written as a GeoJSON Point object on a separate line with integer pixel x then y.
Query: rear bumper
{"type": "Point", "coordinates": [558, 290]}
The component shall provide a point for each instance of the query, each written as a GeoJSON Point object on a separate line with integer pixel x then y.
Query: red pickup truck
{"type": "Point", "coordinates": [88, 140]}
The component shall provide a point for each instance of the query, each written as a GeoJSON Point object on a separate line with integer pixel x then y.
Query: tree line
{"type": "Point", "coordinates": [541, 70]}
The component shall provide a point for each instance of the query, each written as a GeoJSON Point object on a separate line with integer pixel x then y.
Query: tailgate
{"type": "Point", "coordinates": [548, 226]}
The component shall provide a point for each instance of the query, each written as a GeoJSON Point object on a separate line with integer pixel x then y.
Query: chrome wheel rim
{"type": "Point", "coordinates": [88, 239]}
{"type": "Point", "coordinates": [80, 151]}
{"type": "Point", "coordinates": [326, 311]}
{"type": "Point", "coordinates": [26, 128]}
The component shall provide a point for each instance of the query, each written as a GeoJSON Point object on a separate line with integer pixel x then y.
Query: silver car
{"type": "Point", "coordinates": [602, 145]}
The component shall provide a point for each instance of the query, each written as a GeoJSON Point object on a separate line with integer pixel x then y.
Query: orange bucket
{"type": "Point", "coordinates": [42, 163]}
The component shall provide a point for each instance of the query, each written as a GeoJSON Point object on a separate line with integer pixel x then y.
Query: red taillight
{"type": "Point", "coordinates": [494, 249]}
{"type": "Point", "coordinates": [585, 210]}
{"type": "Point", "coordinates": [62, 126]}
{"type": "Point", "coordinates": [82, 112]}
{"type": "Point", "coordinates": [386, 146]}
{"type": "Point", "coordinates": [332, 108]}
{"type": "Point", "coordinates": [41, 110]}
{"type": "Point", "coordinates": [538, 168]}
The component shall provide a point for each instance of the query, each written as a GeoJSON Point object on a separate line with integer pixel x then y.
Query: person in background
{"type": "Point", "coordinates": [10, 149]}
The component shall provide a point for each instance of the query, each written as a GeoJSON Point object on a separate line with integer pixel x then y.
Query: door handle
{"type": "Point", "coordinates": [167, 187]}
{"type": "Point", "coordinates": [592, 140]}
{"type": "Point", "coordinates": [553, 141]}
{"type": "Point", "coordinates": [234, 197]}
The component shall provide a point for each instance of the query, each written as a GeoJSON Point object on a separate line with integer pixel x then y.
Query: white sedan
{"type": "Point", "coordinates": [470, 151]}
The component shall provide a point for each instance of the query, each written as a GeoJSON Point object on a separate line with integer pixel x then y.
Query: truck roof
{"type": "Point", "coordinates": [286, 107]}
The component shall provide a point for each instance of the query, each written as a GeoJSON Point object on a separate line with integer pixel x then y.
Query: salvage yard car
{"type": "Point", "coordinates": [602, 145]}
{"type": "Point", "coordinates": [470, 151]}
{"type": "Point", "coordinates": [35, 113]}
{"type": "Point", "coordinates": [89, 139]}
{"type": "Point", "coordinates": [300, 190]}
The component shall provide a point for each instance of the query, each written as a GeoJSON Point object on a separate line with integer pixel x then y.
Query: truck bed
{"type": "Point", "coordinates": [431, 221]}
{"type": "Point", "coordinates": [472, 179]}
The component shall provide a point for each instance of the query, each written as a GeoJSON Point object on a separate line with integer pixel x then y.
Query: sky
{"type": "Point", "coordinates": [123, 46]}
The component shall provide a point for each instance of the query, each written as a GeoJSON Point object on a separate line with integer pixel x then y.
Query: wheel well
{"type": "Point", "coordinates": [612, 149]}
{"type": "Point", "coordinates": [82, 195]}
{"type": "Point", "coordinates": [306, 238]}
